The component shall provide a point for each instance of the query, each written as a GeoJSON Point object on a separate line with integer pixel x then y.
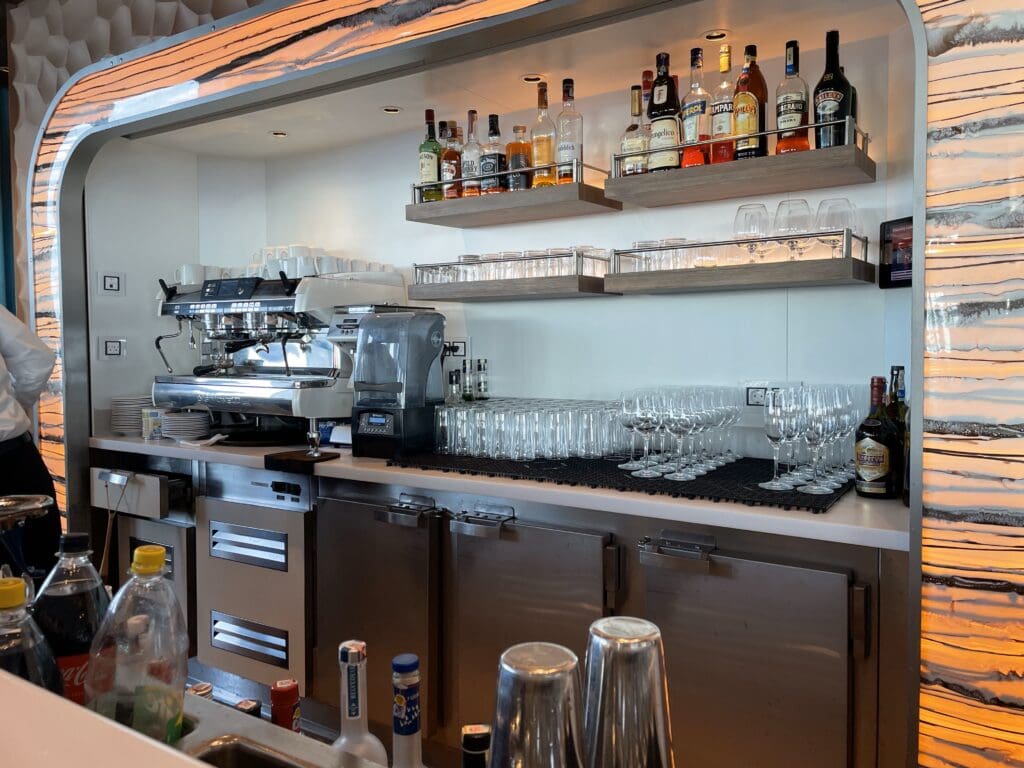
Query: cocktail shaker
{"type": "Point", "coordinates": [537, 716]}
{"type": "Point", "coordinates": [626, 714]}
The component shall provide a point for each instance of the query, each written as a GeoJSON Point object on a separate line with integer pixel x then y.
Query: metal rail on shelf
{"type": "Point", "coordinates": [853, 132]}
{"type": "Point", "coordinates": [579, 257]}
{"type": "Point", "coordinates": [577, 177]}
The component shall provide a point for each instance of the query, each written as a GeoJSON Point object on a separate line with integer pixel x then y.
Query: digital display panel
{"type": "Point", "coordinates": [377, 419]}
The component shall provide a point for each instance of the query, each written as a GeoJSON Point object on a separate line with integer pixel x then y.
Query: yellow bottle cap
{"type": "Point", "coordinates": [12, 592]}
{"type": "Point", "coordinates": [148, 559]}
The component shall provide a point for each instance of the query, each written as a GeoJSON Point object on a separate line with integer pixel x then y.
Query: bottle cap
{"type": "Point", "coordinates": [12, 592]}
{"type": "Point", "coordinates": [430, 115]}
{"type": "Point", "coordinates": [205, 690]}
{"type": "Point", "coordinates": [647, 75]}
{"type": "Point", "coordinates": [351, 652]}
{"type": "Point", "coordinates": [284, 692]}
{"type": "Point", "coordinates": [148, 559]}
{"type": "Point", "coordinates": [750, 50]}
{"type": "Point", "coordinates": [662, 59]}
{"type": "Point", "coordinates": [249, 707]}
{"type": "Point", "coordinates": [405, 662]}
{"type": "Point", "coordinates": [442, 129]}
{"type": "Point", "coordinates": [519, 128]}
{"type": "Point", "coordinates": [696, 56]}
{"type": "Point", "coordinates": [476, 738]}
{"type": "Point", "coordinates": [74, 544]}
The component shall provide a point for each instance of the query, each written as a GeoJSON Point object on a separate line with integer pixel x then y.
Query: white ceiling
{"type": "Point", "coordinates": [601, 60]}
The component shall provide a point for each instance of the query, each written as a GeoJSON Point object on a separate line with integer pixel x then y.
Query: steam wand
{"type": "Point", "coordinates": [160, 339]}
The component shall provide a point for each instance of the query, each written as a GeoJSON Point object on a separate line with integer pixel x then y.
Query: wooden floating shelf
{"type": "Point", "coordinates": [557, 202]}
{"type": "Point", "coordinates": [517, 289]}
{"type": "Point", "coordinates": [743, 277]}
{"type": "Point", "coordinates": [791, 172]}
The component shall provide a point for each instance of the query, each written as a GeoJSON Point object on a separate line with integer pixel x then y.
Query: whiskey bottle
{"type": "Point", "coordinates": [518, 154]}
{"type": "Point", "coordinates": [471, 152]}
{"type": "Point", "coordinates": [493, 160]}
{"type": "Point", "coordinates": [634, 138]}
{"type": "Point", "coordinates": [451, 162]}
{"type": "Point", "coordinates": [663, 112]}
{"type": "Point", "coordinates": [749, 103]}
{"type": "Point", "coordinates": [878, 450]}
{"type": "Point", "coordinates": [570, 136]}
{"type": "Point", "coordinates": [721, 109]}
{"type": "Point", "coordinates": [430, 161]}
{"type": "Point", "coordinates": [791, 105]}
{"type": "Point", "coordinates": [543, 137]}
{"type": "Point", "coordinates": [696, 116]}
{"type": "Point", "coordinates": [833, 97]}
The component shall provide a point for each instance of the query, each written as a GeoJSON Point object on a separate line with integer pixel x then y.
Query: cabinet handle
{"type": "Point", "coordinates": [678, 551]}
{"type": "Point", "coordinates": [482, 526]}
{"type": "Point", "coordinates": [396, 515]}
{"type": "Point", "coordinates": [860, 620]}
{"type": "Point", "coordinates": [692, 562]}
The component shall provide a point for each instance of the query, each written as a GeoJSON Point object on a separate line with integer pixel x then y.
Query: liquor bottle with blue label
{"type": "Point", "coordinates": [355, 738]}
{"type": "Point", "coordinates": [406, 739]}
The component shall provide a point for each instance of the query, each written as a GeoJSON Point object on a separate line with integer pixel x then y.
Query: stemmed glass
{"type": "Point", "coordinates": [680, 423]}
{"type": "Point", "coordinates": [775, 414]}
{"type": "Point", "coordinates": [818, 415]}
{"type": "Point", "coordinates": [753, 223]}
{"type": "Point", "coordinates": [793, 219]}
{"type": "Point", "coordinates": [834, 214]}
{"type": "Point", "coordinates": [643, 413]}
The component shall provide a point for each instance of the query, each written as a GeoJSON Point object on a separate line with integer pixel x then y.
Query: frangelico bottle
{"type": "Point", "coordinates": [663, 112]}
{"type": "Point", "coordinates": [878, 451]}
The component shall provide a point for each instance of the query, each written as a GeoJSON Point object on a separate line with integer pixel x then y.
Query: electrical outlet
{"type": "Point", "coordinates": [755, 395]}
{"type": "Point", "coordinates": [112, 349]}
{"type": "Point", "coordinates": [109, 283]}
{"type": "Point", "coordinates": [458, 347]}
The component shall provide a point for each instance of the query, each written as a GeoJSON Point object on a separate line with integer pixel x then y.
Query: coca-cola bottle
{"type": "Point", "coordinates": [69, 608]}
{"type": "Point", "coordinates": [23, 650]}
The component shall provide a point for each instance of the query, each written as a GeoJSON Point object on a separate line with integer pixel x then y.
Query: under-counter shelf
{"type": "Point", "coordinates": [791, 172]}
{"type": "Point", "coordinates": [516, 289]}
{"type": "Point", "coordinates": [742, 277]}
{"type": "Point", "coordinates": [556, 202]}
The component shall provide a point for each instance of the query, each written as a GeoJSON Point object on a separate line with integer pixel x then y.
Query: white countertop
{"type": "Point", "coordinates": [853, 520]}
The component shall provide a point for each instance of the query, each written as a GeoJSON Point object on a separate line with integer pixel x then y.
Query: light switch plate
{"type": "Point", "coordinates": [109, 283]}
{"type": "Point", "coordinates": [112, 348]}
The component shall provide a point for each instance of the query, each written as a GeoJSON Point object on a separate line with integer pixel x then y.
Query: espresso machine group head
{"type": "Point", "coordinates": [397, 380]}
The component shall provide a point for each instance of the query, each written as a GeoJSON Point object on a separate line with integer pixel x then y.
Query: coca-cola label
{"type": "Point", "coordinates": [73, 669]}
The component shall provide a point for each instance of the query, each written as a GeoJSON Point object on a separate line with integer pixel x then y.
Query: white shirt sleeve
{"type": "Point", "coordinates": [27, 358]}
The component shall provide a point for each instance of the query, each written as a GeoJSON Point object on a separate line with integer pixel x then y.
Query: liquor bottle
{"type": "Point", "coordinates": [482, 380]}
{"type": "Point", "coordinates": [468, 380]}
{"type": "Point", "coordinates": [721, 109]}
{"type": "Point", "coordinates": [663, 112]}
{"type": "Point", "coordinates": [476, 743]}
{"type": "Point", "coordinates": [897, 407]}
{"type": "Point", "coordinates": [878, 450]}
{"type": "Point", "coordinates": [406, 740]}
{"type": "Point", "coordinates": [833, 97]}
{"type": "Point", "coordinates": [906, 461]}
{"type": "Point", "coordinates": [493, 160]}
{"type": "Point", "coordinates": [355, 738]}
{"type": "Point", "coordinates": [634, 138]}
{"type": "Point", "coordinates": [519, 155]}
{"type": "Point", "coordinates": [749, 103]}
{"type": "Point", "coordinates": [791, 105]}
{"type": "Point", "coordinates": [696, 116]}
{"type": "Point", "coordinates": [570, 136]}
{"type": "Point", "coordinates": [853, 96]}
{"type": "Point", "coordinates": [430, 161]}
{"type": "Point", "coordinates": [471, 152]}
{"type": "Point", "coordinates": [646, 83]}
{"type": "Point", "coordinates": [543, 137]}
{"type": "Point", "coordinates": [451, 162]}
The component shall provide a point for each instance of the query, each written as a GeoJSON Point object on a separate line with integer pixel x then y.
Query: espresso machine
{"type": "Point", "coordinates": [397, 379]}
{"type": "Point", "coordinates": [264, 349]}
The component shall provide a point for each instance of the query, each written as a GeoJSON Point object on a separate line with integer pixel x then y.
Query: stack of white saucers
{"type": "Point", "coordinates": [126, 413]}
{"type": "Point", "coordinates": [185, 425]}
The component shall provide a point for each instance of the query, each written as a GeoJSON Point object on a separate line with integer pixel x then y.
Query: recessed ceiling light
{"type": "Point", "coordinates": [390, 109]}
{"type": "Point", "coordinates": [278, 134]}
{"type": "Point", "coordinates": [531, 77]}
{"type": "Point", "coordinates": [716, 34]}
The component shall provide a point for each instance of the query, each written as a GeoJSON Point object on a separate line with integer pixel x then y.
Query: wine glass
{"type": "Point", "coordinates": [815, 406]}
{"type": "Point", "coordinates": [680, 423]}
{"type": "Point", "coordinates": [752, 224]}
{"type": "Point", "coordinates": [835, 214]}
{"type": "Point", "coordinates": [793, 219]}
{"type": "Point", "coordinates": [645, 410]}
{"type": "Point", "coordinates": [775, 414]}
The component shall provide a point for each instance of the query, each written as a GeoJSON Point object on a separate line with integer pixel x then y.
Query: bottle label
{"type": "Point", "coordinates": [872, 460]}
{"type": "Point", "coordinates": [516, 161]}
{"type": "Point", "coordinates": [747, 116]}
{"type": "Point", "coordinates": [826, 104]}
{"type": "Point", "coordinates": [449, 170]}
{"type": "Point", "coordinates": [692, 114]}
{"type": "Point", "coordinates": [721, 118]}
{"type": "Point", "coordinates": [406, 712]}
{"type": "Point", "coordinates": [352, 692]}
{"type": "Point", "coordinates": [789, 110]}
{"type": "Point", "coordinates": [660, 94]}
{"type": "Point", "coordinates": [428, 167]}
{"type": "Point", "coordinates": [493, 163]}
{"type": "Point", "coordinates": [73, 669]}
{"type": "Point", "coordinates": [636, 163]}
{"type": "Point", "coordinates": [664, 133]}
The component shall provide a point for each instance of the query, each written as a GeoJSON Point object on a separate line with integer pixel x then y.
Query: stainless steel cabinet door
{"type": "Point", "coordinates": [757, 659]}
{"type": "Point", "coordinates": [531, 582]}
{"type": "Point", "coordinates": [377, 576]}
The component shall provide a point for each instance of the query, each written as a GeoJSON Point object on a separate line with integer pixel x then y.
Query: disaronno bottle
{"type": "Point", "coordinates": [878, 452]}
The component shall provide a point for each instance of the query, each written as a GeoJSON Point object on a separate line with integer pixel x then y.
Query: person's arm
{"type": "Point", "coordinates": [27, 358]}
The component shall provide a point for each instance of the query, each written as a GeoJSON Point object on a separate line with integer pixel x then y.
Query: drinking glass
{"type": "Point", "coordinates": [815, 406]}
{"type": "Point", "coordinates": [793, 219]}
{"type": "Point", "coordinates": [625, 418]}
{"type": "Point", "coordinates": [643, 409]}
{"type": "Point", "coordinates": [444, 437]}
{"type": "Point", "coordinates": [523, 436]}
{"type": "Point", "coordinates": [679, 422]}
{"type": "Point", "coordinates": [753, 223]}
{"type": "Point", "coordinates": [775, 430]}
{"type": "Point", "coordinates": [836, 213]}
{"type": "Point", "coordinates": [463, 432]}
{"type": "Point", "coordinates": [589, 443]}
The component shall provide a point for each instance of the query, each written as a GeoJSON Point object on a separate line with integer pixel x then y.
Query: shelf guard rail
{"type": "Point", "coordinates": [852, 131]}
{"type": "Point", "coordinates": [577, 177]}
{"type": "Point", "coordinates": [570, 262]}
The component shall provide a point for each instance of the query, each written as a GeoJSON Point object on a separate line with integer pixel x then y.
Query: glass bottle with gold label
{"type": "Point", "coordinates": [878, 451]}
{"type": "Point", "coordinates": [634, 138]}
{"type": "Point", "coordinates": [543, 136]}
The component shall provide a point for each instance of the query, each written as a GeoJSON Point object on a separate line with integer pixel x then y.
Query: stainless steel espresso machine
{"type": "Point", "coordinates": [397, 378]}
{"type": "Point", "coordinates": [265, 351]}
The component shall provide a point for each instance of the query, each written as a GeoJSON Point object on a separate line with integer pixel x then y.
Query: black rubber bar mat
{"type": "Point", "coordinates": [733, 482]}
